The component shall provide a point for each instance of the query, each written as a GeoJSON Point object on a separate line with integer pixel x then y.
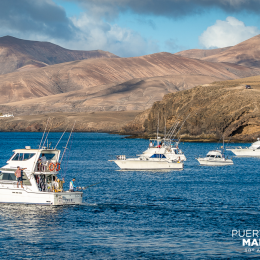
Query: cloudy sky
{"type": "Point", "coordinates": [132, 27]}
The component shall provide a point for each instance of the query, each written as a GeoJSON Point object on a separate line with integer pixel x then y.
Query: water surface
{"type": "Point", "coordinates": [187, 214]}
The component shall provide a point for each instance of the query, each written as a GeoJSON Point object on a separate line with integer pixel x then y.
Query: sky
{"type": "Point", "coordinates": [130, 28]}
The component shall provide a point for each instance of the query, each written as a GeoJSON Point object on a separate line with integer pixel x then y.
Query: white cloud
{"type": "Point", "coordinates": [227, 33]}
{"type": "Point", "coordinates": [95, 34]}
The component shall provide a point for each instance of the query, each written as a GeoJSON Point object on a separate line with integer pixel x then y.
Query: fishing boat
{"type": "Point", "coordinates": [38, 179]}
{"type": "Point", "coordinates": [161, 154]}
{"type": "Point", "coordinates": [253, 150]}
{"type": "Point", "coordinates": [215, 158]}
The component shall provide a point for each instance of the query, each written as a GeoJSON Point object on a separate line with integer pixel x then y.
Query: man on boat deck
{"type": "Point", "coordinates": [18, 174]}
{"type": "Point", "coordinates": [72, 185]}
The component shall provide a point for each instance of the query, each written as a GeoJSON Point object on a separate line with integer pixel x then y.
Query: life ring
{"type": "Point", "coordinates": [51, 167]}
{"type": "Point", "coordinates": [57, 166]}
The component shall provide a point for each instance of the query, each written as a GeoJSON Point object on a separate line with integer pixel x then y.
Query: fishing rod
{"type": "Point", "coordinates": [83, 188]}
{"type": "Point", "coordinates": [182, 125]}
{"type": "Point", "coordinates": [47, 135]}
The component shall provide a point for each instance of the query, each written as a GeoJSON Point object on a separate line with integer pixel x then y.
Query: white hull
{"type": "Point", "coordinates": [214, 162]}
{"type": "Point", "coordinates": [22, 196]}
{"type": "Point", "coordinates": [245, 152]}
{"type": "Point", "coordinates": [136, 164]}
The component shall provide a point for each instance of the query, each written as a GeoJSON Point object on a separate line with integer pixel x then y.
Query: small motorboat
{"type": "Point", "coordinates": [215, 158]}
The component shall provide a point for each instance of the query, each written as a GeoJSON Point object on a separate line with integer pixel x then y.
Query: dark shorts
{"type": "Point", "coordinates": [19, 179]}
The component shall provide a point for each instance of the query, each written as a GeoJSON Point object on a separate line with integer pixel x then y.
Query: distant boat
{"type": "Point", "coordinates": [253, 150]}
{"type": "Point", "coordinates": [161, 154]}
{"type": "Point", "coordinates": [215, 158]}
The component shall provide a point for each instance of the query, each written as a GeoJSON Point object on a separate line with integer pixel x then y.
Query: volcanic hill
{"type": "Point", "coordinates": [18, 55]}
{"type": "Point", "coordinates": [246, 53]}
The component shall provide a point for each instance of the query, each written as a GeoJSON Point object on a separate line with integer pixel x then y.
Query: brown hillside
{"type": "Point", "coordinates": [135, 94]}
{"type": "Point", "coordinates": [246, 53]}
{"type": "Point", "coordinates": [199, 54]}
{"type": "Point", "coordinates": [95, 75]}
{"type": "Point", "coordinates": [17, 54]}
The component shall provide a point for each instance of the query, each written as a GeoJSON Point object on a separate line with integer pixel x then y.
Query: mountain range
{"type": "Point", "coordinates": [39, 78]}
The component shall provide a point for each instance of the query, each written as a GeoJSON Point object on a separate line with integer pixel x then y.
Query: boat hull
{"type": "Point", "coordinates": [147, 165]}
{"type": "Point", "coordinates": [22, 196]}
{"type": "Point", "coordinates": [221, 162]}
{"type": "Point", "coordinates": [246, 152]}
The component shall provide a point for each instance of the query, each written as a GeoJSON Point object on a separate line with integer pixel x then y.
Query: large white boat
{"type": "Point", "coordinates": [161, 154]}
{"type": "Point", "coordinates": [39, 185]}
{"type": "Point", "coordinates": [253, 150]}
{"type": "Point", "coordinates": [215, 158]}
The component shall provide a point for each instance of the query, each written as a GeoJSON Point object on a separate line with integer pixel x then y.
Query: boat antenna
{"type": "Point", "coordinates": [165, 129]}
{"type": "Point", "coordinates": [44, 131]}
{"type": "Point", "coordinates": [61, 137]}
{"type": "Point", "coordinates": [67, 142]}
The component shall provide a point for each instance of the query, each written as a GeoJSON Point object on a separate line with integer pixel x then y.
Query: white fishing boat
{"type": "Point", "coordinates": [215, 158]}
{"type": "Point", "coordinates": [38, 179]}
{"type": "Point", "coordinates": [253, 150]}
{"type": "Point", "coordinates": [161, 154]}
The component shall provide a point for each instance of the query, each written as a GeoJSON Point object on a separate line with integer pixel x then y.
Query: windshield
{"type": "Point", "coordinates": [23, 156]}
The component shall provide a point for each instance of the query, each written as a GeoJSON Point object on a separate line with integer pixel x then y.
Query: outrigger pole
{"type": "Point", "coordinates": [44, 131]}
{"type": "Point", "coordinates": [61, 138]}
{"type": "Point", "coordinates": [67, 142]}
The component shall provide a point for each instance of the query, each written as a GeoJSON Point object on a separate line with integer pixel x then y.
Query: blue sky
{"type": "Point", "coordinates": [132, 27]}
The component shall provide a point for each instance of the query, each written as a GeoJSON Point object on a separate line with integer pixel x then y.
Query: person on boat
{"type": "Point", "coordinates": [43, 161]}
{"type": "Point", "coordinates": [60, 184]}
{"type": "Point", "coordinates": [72, 185]}
{"type": "Point", "coordinates": [18, 174]}
{"type": "Point", "coordinates": [151, 144]}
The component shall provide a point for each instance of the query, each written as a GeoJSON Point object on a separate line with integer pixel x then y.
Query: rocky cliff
{"type": "Point", "coordinates": [222, 108]}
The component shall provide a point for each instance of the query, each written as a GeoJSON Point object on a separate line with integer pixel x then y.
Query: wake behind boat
{"type": "Point", "coordinates": [161, 154]}
{"type": "Point", "coordinates": [253, 150]}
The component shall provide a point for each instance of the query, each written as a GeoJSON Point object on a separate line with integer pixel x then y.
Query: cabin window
{"type": "Point", "coordinates": [23, 156]}
{"type": "Point", "coordinates": [212, 156]}
{"type": "Point", "coordinates": [11, 177]}
{"type": "Point", "coordinates": [7, 176]}
{"type": "Point", "coordinates": [158, 156]}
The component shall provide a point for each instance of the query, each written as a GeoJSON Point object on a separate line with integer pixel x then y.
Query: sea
{"type": "Point", "coordinates": [200, 212]}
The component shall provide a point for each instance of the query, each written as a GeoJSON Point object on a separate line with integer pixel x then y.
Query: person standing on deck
{"type": "Point", "coordinates": [44, 162]}
{"type": "Point", "coordinates": [18, 174]}
{"type": "Point", "coordinates": [72, 185]}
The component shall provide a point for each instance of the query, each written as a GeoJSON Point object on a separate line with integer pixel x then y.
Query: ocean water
{"type": "Point", "coordinates": [188, 214]}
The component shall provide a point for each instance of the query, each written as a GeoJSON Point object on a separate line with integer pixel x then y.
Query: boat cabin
{"type": "Point", "coordinates": [215, 154]}
{"type": "Point", "coordinates": [40, 168]}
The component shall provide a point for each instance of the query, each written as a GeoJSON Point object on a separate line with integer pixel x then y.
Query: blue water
{"type": "Point", "coordinates": [187, 214]}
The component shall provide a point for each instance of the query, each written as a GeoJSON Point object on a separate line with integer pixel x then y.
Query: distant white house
{"type": "Point", "coordinates": [7, 115]}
